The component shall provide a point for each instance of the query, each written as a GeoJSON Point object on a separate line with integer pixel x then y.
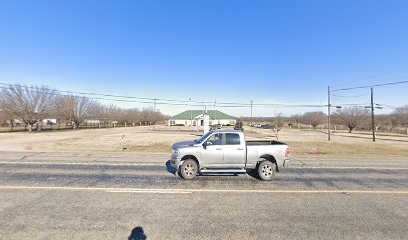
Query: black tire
{"type": "Point", "coordinates": [266, 170]}
{"type": "Point", "coordinates": [189, 169]}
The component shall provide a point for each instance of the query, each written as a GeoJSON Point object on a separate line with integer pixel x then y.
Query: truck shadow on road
{"type": "Point", "coordinates": [137, 234]}
{"type": "Point", "coordinates": [170, 168]}
{"type": "Point", "coordinates": [253, 173]}
{"type": "Point", "coordinates": [249, 172]}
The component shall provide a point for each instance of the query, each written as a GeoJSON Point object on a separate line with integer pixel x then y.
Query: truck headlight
{"type": "Point", "coordinates": [176, 152]}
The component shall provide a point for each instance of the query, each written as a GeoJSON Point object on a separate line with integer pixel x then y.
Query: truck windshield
{"type": "Point", "coordinates": [205, 136]}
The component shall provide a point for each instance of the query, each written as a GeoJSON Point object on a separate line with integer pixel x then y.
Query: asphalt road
{"type": "Point", "coordinates": [106, 196]}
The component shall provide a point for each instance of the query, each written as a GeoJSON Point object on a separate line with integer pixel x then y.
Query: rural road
{"type": "Point", "coordinates": [107, 195]}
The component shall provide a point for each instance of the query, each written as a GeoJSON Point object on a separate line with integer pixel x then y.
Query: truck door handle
{"type": "Point", "coordinates": [218, 149]}
{"type": "Point", "coordinates": [240, 149]}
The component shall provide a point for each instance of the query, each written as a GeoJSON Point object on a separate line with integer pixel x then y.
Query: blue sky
{"type": "Point", "coordinates": [232, 51]}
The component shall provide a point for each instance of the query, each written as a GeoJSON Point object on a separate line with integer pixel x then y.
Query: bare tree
{"type": "Point", "coordinates": [295, 120]}
{"type": "Point", "coordinates": [351, 116]}
{"type": "Point", "coordinates": [148, 115]}
{"type": "Point", "coordinates": [3, 118]}
{"type": "Point", "coordinates": [77, 109]}
{"type": "Point", "coordinates": [28, 104]}
{"type": "Point", "coordinates": [313, 118]}
{"type": "Point", "coordinates": [278, 122]}
{"type": "Point", "coordinates": [109, 113]}
{"type": "Point", "coordinates": [400, 116]}
{"type": "Point", "coordinates": [134, 116]}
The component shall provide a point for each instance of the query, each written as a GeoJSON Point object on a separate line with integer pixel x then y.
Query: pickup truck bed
{"type": "Point", "coordinates": [263, 142]}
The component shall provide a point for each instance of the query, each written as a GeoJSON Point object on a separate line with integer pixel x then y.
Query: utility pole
{"type": "Point", "coordinates": [154, 115]}
{"type": "Point", "coordinates": [328, 113]}
{"type": "Point", "coordinates": [215, 112]}
{"type": "Point", "coordinates": [191, 114]}
{"type": "Point", "coordinates": [252, 122]}
{"type": "Point", "coordinates": [191, 120]}
{"type": "Point", "coordinates": [372, 114]}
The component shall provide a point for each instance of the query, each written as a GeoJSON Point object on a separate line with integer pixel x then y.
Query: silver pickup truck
{"type": "Point", "coordinates": [227, 151]}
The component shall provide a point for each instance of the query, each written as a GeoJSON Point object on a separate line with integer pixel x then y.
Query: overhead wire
{"type": "Point", "coordinates": [163, 101]}
{"type": "Point", "coordinates": [368, 86]}
{"type": "Point", "coordinates": [351, 96]}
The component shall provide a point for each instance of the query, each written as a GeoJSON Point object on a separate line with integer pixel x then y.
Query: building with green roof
{"type": "Point", "coordinates": [196, 117]}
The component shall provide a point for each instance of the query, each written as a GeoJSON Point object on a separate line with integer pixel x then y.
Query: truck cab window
{"type": "Point", "coordinates": [215, 139]}
{"type": "Point", "coordinates": [232, 139]}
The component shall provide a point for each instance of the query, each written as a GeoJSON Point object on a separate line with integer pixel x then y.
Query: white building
{"type": "Point", "coordinates": [49, 121]}
{"type": "Point", "coordinates": [195, 117]}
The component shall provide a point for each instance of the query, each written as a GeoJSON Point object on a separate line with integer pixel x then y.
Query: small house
{"type": "Point", "coordinates": [196, 118]}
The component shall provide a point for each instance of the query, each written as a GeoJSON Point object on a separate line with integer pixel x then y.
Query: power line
{"type": "Point", "coordinates": [351, 96]}
{"type": "Point", "coordinates": [387, 106]}
{"type": "Point", "coordinates": [104, 98]}
{"type": "Point", "coordinates": [103, 95]}
{"type": "Point", "coordinates": [351, 104]}
{"type": "Point", "coordinates": [172, 102]}
{"type": "Point", "coordinates": [369, 86]}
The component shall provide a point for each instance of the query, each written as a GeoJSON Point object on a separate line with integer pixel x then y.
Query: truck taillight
{"type": "Point", "coordinates": [287, 153]}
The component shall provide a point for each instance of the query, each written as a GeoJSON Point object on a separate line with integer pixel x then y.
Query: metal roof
{"type": "Point", "coordinates": [214, 114]}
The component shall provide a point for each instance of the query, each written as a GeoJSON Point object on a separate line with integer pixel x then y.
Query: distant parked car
{"type": "Point", "coordinates": [265, 126]}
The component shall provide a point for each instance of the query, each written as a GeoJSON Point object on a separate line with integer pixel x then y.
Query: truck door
{"type": "Point", "coordinates": [234, 151]}
{"type": "Point", "coordinates": [212, 155]}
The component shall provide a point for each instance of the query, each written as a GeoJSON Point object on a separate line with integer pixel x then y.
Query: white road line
{"type": "Point", "coordinates": [149, 191]}
{"type": "Point", "coordinates": [83, 164]}
{"type": "Point", "coordinates": [177, 190]}
{"type": "Point", "coordinates": [334, 167]}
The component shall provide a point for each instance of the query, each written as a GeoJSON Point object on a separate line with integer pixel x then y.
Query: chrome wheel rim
{"type": "Point", "coordinates": [267, 170]}
{"type": "Point", "coordinates": [189, 169]}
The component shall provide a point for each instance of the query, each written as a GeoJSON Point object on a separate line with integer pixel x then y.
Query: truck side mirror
{"type": "Point", "coordinates": [205, 145]}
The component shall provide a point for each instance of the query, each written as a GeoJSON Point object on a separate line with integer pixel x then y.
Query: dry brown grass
{"type": "Point", "coordinates": [308, 142]}
{"type": "Point", "coordinates": [164, 148]}
{"type": "Point", "coordinates": [346, 149]}
{"type": "Point", "coordinates": [143, 139]}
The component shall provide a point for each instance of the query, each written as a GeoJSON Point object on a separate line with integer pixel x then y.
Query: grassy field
{"type": "Point", "coordinates": [144, 139]}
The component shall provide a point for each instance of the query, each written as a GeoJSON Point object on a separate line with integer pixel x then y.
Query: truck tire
{"type": "Point", "coordinates": [266, 170]}
{"type": "Point", "coordinates": [189, 169]}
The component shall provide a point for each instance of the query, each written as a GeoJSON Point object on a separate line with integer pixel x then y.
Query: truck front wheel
{"type": "Point", "coordinates": [189, 169]}
{"type": "Point", "coordinates": [266, 170]}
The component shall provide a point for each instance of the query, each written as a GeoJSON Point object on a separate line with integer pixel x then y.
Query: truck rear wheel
{"type": "Point", "coordinates": [189, 169]}
{"type": "Point", "coordinates": [266, 170]}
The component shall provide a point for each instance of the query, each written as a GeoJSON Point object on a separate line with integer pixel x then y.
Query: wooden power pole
{"type": "Point", "coordinates": [252, 122]}
{"type": "Point", "coordinates": [328, 113]}
{"type": "Point", "coordinates": [372, 114]}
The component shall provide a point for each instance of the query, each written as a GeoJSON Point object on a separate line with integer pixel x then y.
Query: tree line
{"type": "Point", "coordinates": [32, 104]}
{"type": "Point", "coordinates": [350, 117]}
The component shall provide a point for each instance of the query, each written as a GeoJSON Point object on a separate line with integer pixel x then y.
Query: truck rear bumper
{"type": "Point", "coordinates": [285, 161]}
